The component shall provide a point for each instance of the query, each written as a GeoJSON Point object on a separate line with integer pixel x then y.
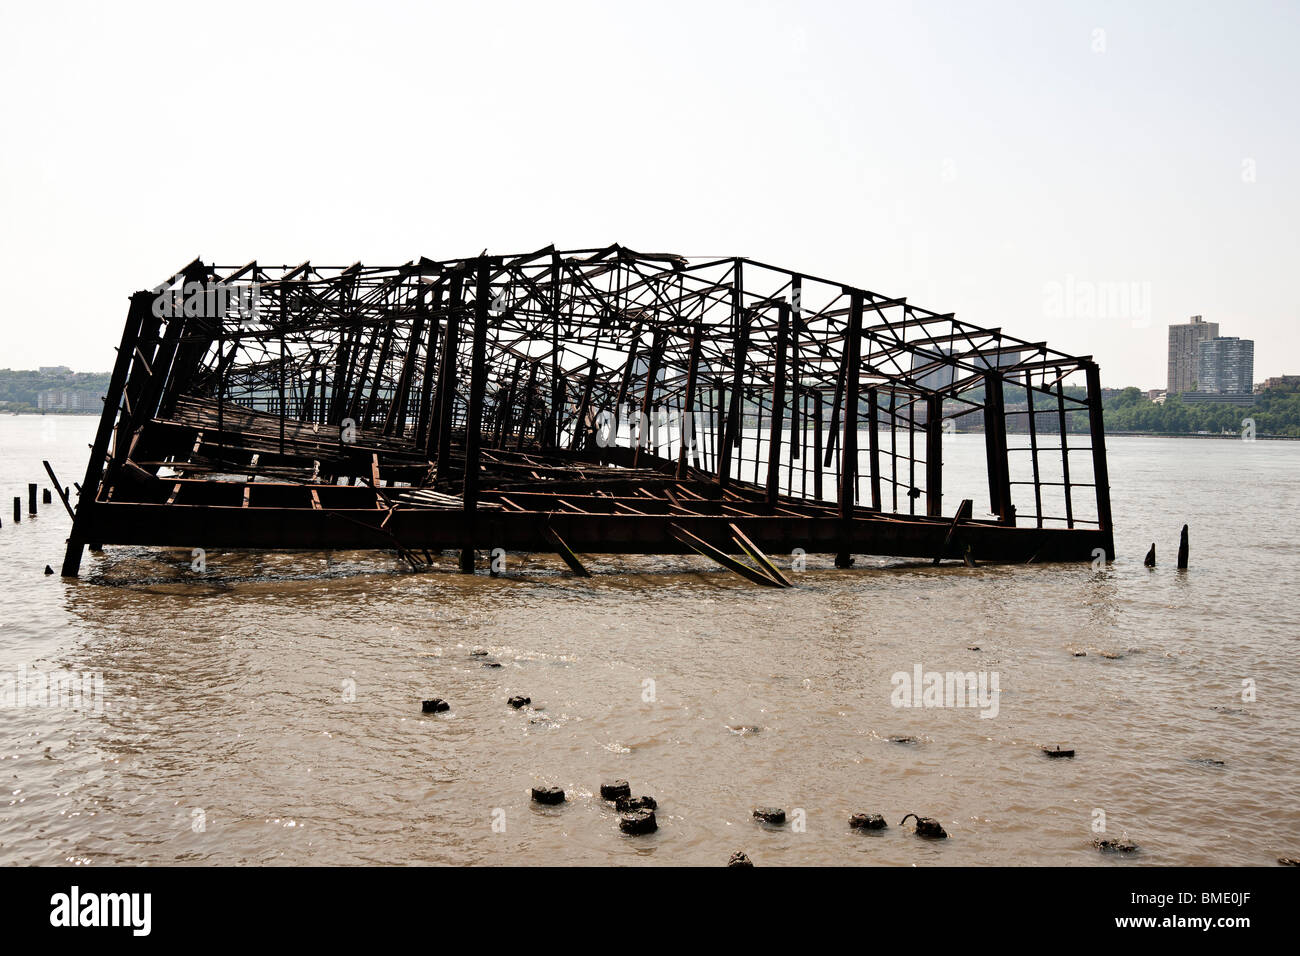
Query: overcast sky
{"type": "Point", "coordinates": [1079, 172]}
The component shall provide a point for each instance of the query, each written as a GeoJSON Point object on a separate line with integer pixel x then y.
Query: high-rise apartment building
{"type": "Point", "coordinates": [1184, 355]}
{"type": "Point", "coordinates": [1226, 366]}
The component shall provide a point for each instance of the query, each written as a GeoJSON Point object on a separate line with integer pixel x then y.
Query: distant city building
{"type": "Point", "coordinates": [67, 400]}
{"type": "Point", "coordinates": [55, 370]}
{"type": "Point", "coordinates": [1218, 398]}
{"type": "Point", "coordinates": [1183, 354]}
{"type": "Point", "coordinates": [1226, 366]}
{"type": "Point", "coordinates": [1281, 383]}
{"type": "Point", "coordinates": [1156, 395]}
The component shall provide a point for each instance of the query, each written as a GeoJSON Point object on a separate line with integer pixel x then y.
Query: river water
{"type": "Point", "coordinates": [267, 710]}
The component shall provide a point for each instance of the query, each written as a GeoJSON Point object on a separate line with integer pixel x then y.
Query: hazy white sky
{"type": "Point", "coordinates": [1083, 173]}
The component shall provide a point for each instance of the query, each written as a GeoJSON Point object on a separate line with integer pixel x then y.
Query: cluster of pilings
{"type": "Point", "coordinates": [585, 402]}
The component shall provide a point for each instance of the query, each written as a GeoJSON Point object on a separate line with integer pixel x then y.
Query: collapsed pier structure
{"type": "Point", "coordinates": [592, 401]}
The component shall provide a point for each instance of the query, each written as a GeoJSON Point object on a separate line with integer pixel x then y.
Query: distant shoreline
{"type": "Point", "coordinates": [1230, 436]}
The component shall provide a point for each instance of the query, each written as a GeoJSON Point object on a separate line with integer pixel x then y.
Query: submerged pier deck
{"type": "Point", "coordinates": [583, 402]}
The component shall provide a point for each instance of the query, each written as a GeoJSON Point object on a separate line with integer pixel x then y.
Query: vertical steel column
{"type": "Point", "coordinates": [995, 450]}
{"type": "Point", "coordinates": [873, 438]}
{"type": "Point", "coordinates": [688, 419]}
{"type": "Point", "coordinates": [1100, 472]}
{"type": "Point", "coordinates": [447, 379]}
{"type": "Point", "coordinates": [735, 405]}
{"type": "Point", "coordinates": [849, 443]}
{"type": "Point", "coordinates": [778, 405]}
{"type": "Point", "coordinates": [934, 455]}
{"type": "Point", "coordinates": [474, 417]}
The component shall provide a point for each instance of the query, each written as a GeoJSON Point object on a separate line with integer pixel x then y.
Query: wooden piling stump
{"type": "Point", "coordinates": [638, 822]}
{"type": "Point", "coordinates": [612, 791]}
{"type": "Point", "coordinates": [867, 821]}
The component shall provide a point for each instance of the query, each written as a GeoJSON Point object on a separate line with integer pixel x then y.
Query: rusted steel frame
{"type": "Point", "coordinates": [528, 411]}
{"type": "Point", "coordinates": [395, 417]}
{"type": "Point", "coordinates": [346, 335]}
{"type": "Point", "coordinates": [355, 408]}
{"type": "Point", "coordinates": [686, 452]}
{"type": "Point", "coordinates": [474, 422]}
{"type": "Point", "coordinates": [696, 543]}
{"type": "Point", "coordinates": [582, 435]}
{"type": "Point", "coordinates": [1020, 343]}
{"type": "Point", "coordinates": [505, 411]}
{"type": "Point", "coordinates": [735, 400]}
{"type": "Point", "coordinates": [164, 360]}
{"type": "Point", "coordinates": [625, 381]}
{"type": "Point", "coordinates": [873, 444]}
{"type": "Point", "coordinates": [425, 412]}
{"type": "Point", "coordinates": [796, 327]}
{"type": "Point", "coordinates": [818, 467]}
{"type": "Point", "coordinates": [832, 442]}
{"type": "Point", "coordinates": [447, 377]}
{"type": "Point", "coordinates": [849, 443]}
{"type": "Point", "coordinates": [995, 449]}
{"type": "Point", "coordinates": [284, 358]}
{"type": "Point", "coordinates": [1100, 470]}
{"type": "Point", "coordinates": [555, 423]}
{"type": "Point", "coordinates": [647, 398]}
{"type": "Point", "coordinates": [139, 310]}
{"type": "Point", "coordinates": [778, 405]}
{"type": "Point", "coordinates": [1033, 449]}
{"type": "Point", "coordinates": [934, 455]}
{"type": "Point", "coordinates": [1065, 452]}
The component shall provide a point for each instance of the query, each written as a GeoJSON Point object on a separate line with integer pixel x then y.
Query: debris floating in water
{"type": "Point", "coordinates": [739, 858]}
{"type": "Point", "coordinates": [435, 706]}
{"type": "Point", "coordinates": [772, 815]}
{"type": "Point", "coordinates": [517, 702]}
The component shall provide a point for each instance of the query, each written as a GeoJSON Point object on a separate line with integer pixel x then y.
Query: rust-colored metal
{"type": "Point", "coordinates": [614, 401]}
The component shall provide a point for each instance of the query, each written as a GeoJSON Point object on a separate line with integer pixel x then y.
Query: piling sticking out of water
{"type": "Point", "coordinates": [1115, 846]}
{"type": "Point", "coordinates": [739, 859]}
{"type": "Point", "coordinates": [1150, 560]}
{"type": "Point", "coordinates": [435, 706]}
{"type": "Point", "coordinates": [517, 702]}
{"type": "Point", "coordinates": [612, 791]}
{"type": "Point", "coordinates": [867, 821]}
{"type": "Point", "coordinates": [927, 827]}
{"type": "Point", "coordinates": [46, 497]}
{"type": "Point", "coordinates": [31, 498]}
{"type": "Point", "coordinates": [772, 815]}
{"type": "Point", "coordinates": [548, 795]}
{"type": "Point", "coordinates": [628, 804]}
{"type": "Point", "coordinates": [638, 821]}
{"type": "Point", "coordinates": [18, 510]}
{"type": "Point", "coordinates": [1182, 550]}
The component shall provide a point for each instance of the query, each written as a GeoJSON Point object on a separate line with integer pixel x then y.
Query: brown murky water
{"type": "Point", "coordinates": [268, 711]}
